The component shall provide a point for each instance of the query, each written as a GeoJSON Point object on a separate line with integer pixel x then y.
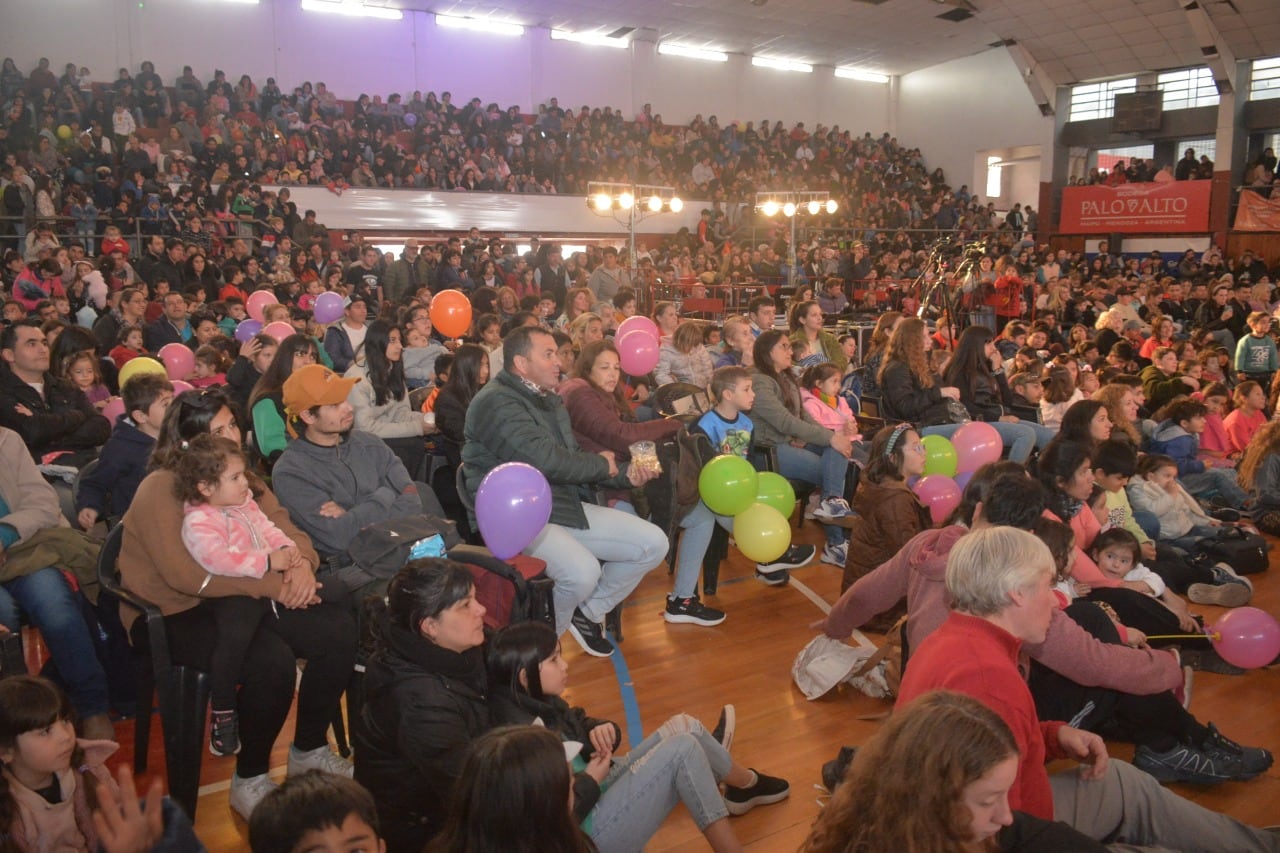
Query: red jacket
{"type": "Point", "coordinates": [972, 656]}
{"type": "Point", "coordinates": [1005, 295]}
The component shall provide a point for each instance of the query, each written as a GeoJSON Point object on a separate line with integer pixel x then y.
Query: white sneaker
{"type": "Point", "coordinates": [320, 758]}
{"type": "Point", "coordinates": [247, 793]}
{"type": "Point", "coordinates": [832, 509]}
{"type": "Point", "coordinates": [836, 555]}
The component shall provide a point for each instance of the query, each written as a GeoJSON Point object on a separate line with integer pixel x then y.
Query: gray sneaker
{"type": "Point", "coordinates": [245, 794]}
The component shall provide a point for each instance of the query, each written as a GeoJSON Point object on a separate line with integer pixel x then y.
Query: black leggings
{"type": "Point", "coordinates": [1147, 614]}
{"type": "Point", "coordinates": [237, 618]}
{"type": "Point", "coordinates": [324, 634]}
{"type": "Point", "coordinates": [1158, 720]}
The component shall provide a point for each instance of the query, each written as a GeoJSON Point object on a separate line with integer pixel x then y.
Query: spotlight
{"type": "Point", "coordinates": [832, 206]}
{"type": "Point", "coordinates": [789, 209]}
{"type": "Point", "coordinates": [675, 205]}
{"type": "Point", "coordinates": [655, 203]}
{"type": "Point", "coordinates": [769, 208]}
{"type": "Point", "coordinates": [814, 207]}
{"type": "Point", "coordinates": [625, 200]}
{"type": "Point", "coordinates": [601, 202]}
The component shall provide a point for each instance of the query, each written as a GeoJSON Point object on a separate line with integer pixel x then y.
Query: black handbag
{"type": "Point", "coordinates": [1244, 552]}
{"type": "Point", "coordinates": [382, 548]}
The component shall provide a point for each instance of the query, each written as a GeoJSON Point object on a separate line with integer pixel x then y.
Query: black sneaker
{"type": "Point", "coordinates": [224, 734]}
{"type": "Point", "coordinates": [590, 635]}
{"type": "Point", "coordinates": [779, 578]}
{"type": "Point", "coordinates": [692, 611]}
{"type": "Point", "coordinates": [1208, 660]}
{"type": "Point", "coordinates": [1186, 763]}
{"type": "Point", "coordinates": [1254, 760]}
{"type": "Point", "coordinates": [766, 790]}
{"type": "Point", "coordinates": [725, 727]}
{"type": "Point", "coordinates": [833, 771]}
{"type": "Point", "coordinates": [795, 557]}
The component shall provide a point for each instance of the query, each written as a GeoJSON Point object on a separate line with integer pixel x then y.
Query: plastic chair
{"type": "Point", "coordinates": [183, 691]}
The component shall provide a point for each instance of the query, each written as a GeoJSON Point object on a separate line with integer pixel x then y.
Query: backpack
{"type": "Point", "coordinates": [1245, 553]}
{"type": "Point", "coordinates": [381, 549]}
{"type": "Point", "coordinates": [515, 590]}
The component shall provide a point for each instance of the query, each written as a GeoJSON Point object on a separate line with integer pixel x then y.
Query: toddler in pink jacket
{"type": "Point", "coordinates": [227, 534]}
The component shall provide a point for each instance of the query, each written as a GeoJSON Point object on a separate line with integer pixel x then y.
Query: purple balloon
{"type": "Point", "coordinates": [940, 494]}
{"type": "Point", "coordinates": [328, 307]}
{"type": "Point", "coordinates": [962, 480]}
{"type": "Point", "coordinates": [246, 329]}
{"type": "Point", "coordinates": [976, 444]}
{"type": "Point", "coordinates": [513, 504]}
{"type": "Point", "coordinates": [1247, 637]}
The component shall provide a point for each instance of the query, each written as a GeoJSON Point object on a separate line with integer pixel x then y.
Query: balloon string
{"type": "Point", "coordinates": [1213, 636]}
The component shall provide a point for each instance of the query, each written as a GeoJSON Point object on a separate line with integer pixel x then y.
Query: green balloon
{"type": "Point", "coordinates": [775, 490]}
{"type": "Point", "coordinates": [727, 484]}
{"type": "Point", "coordinates": [940, 456]}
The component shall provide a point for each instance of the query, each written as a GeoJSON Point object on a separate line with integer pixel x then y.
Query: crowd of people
{"type": "Point", "coordinates": [1135, 397]}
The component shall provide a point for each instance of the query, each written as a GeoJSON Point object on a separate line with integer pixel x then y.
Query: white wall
{"type": "Point", "coordinates": [353, 55]}
{"type": "Point", "coordinates": [978, 103]}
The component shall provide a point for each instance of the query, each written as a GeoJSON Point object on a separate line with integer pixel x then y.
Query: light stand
{"type": "Point", "coordinates": [608, 198]}
{"type": "Point", "coordinates": [791, 203]}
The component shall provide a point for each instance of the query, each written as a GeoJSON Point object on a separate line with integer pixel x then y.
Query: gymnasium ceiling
{"type": "Point", "coordinates": [1073, 40]}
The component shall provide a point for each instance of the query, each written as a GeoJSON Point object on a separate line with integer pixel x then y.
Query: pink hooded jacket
{"type": "Point", "coordinates": [232, 541]}
{"type": "Point", "coordinates": [918, 571]}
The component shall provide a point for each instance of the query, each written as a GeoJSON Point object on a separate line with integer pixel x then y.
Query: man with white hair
{"type": "Point", "coordinates": [1000, 582]}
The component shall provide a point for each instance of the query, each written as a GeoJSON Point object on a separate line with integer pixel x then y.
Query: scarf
{"type": "Point", "coordinates": [830, 400]}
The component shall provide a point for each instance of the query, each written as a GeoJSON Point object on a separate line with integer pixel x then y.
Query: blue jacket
{"type": "Point", "coordinates": [122, 463]}
{"type": "Point", "coordinates": [1174, 441]}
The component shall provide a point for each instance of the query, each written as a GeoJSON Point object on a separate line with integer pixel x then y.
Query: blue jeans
{"type": "Point", "coordinates": [1149, 522]}
{"type": "Point", "coordinates": [54, 610]}
{"type": "Point", "coordinates": [680, 762]}
{"type": "Point", "coordinates": [821, 466]}
{"type": "Point", "coordinates": [596, 567]}
{"type": "Point", "coordinates": [1187, 542]}
{"type": "Point", "coordinates": [1215, 482]}
{"type": "Point", "coordinates": [698, 526]}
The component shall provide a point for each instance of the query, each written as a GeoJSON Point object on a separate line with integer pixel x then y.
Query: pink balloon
{"type": "Point", "coordinates": [638, 352]}
{"type": "Point", "coordinates": [259, 300]}
{"type": "Point", "coordinates": [178, 360]}
{"type": "Point", "coordinates": [113, 409]}
{"type": "Point", "coordinates": [279, 330]}
{"type": "Point", "coordinates": [940, 494]}
{"type": "Point", "coordinates": [180, 387]}
{"type": "Point", "coordinates": [328, 308]}
{"type": "Point", "coordinates": [976, 444]}
{"type": "Point", "coordinates": [637, 322]}
{"type": "Point", "coordinates": [1247, 637]}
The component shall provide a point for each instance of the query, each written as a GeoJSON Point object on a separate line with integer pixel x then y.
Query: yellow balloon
{"type": "Point", "coordinates": [138, 366]}
{"type": "Point", "coordinates": [762, 533]}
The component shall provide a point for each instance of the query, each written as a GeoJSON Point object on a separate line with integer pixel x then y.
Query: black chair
{"type": "Point", "coordinates": [183, 691]}
{"type": "Point", "coordinates": [682, 400]}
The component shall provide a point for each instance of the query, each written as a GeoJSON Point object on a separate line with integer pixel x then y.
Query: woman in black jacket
{"type": "Point", "coordinates": [468, 375]}
{"type": "Point", "coordinates": [425, 700]}
{"type": "Point", "coordinates": [977, 370]}
{"type": "Point", "coordinates": [909, 389]}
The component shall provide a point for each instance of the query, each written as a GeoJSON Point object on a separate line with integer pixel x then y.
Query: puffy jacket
{"type": "Point", "coordinates": [1160, 388]}
{"type": "Point", "coordinates": [423, 706]}
{"type": "Point", "coordinates": [694, 367]}
{"type": "Point", "coordinates": [62, 419]}
{"type": "Point", "coordinates": [1172, 440]}
{"type": "Point", "coordinates": [232, 541]}
{"type": "Point", "coordinates": [121, 466]}
{"type": "Point", "coordinates": [1177, 513]}
{"type": "Point", "coordinates": [509, 422]}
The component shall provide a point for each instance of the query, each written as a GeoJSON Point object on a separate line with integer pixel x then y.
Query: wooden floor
{"type": "Point", "coordinates": [747, 661]}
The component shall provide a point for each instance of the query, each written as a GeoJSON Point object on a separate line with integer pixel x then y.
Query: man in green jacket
{"type": "Point", "coordinates": [1161, 381]}
{"type": "Point", "coordinates": [596, 555]}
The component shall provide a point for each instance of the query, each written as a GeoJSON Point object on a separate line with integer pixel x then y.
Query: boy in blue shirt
{"type": "Point", "coordinates": [730, 432]}
{"type": "Point", "coordinates": [1256, 357]}
{"type": "Point", "coordinates": [108, 489]}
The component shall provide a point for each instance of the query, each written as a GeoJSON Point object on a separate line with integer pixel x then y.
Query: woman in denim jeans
{"type": "Point", "coordinates": [622, 801]}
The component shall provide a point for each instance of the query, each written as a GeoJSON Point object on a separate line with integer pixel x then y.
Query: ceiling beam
{"type": "Point", "coordinates": [1217, 55]}
{"type": "Point", "coordinates": [1038, 80]}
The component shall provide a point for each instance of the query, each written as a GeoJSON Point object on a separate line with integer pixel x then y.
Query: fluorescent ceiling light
{"type": "Point", "coordinates": [692, 52]}
{"type": "Point", "coordinates": [781, 64]}
{"type": "Point", "coordinates": [352, 9]}
{"type": "Point", "coordinates": [866, 76]}
{"type": "Point", "coordinates": [587, 38]}
{"type": "Point", "coordinates": [480, 25]}
{"type": "Point", "coordinates": [243, 2]}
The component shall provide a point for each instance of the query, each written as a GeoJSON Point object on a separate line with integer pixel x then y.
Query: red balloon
{"type": "Point", "coordinates": [451, 313]}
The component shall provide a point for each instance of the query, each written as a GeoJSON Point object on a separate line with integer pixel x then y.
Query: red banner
{"type": "Point", "coordinates": [1172, 207]}
{"type": "Point", "coordinates": [1256, 213]}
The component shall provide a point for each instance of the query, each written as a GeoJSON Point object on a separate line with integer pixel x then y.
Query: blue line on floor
{"type": "Point", "coordinates": [630, 705]}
